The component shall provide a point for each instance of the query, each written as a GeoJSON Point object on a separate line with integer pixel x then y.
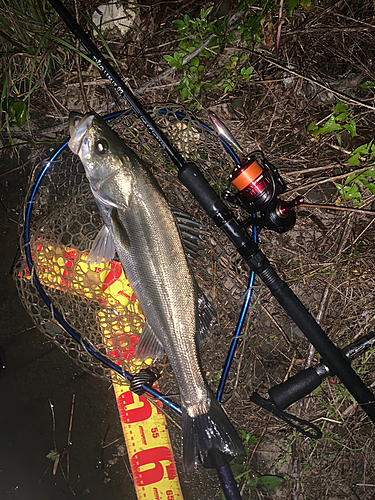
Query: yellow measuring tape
{"type": "Point", "coordinates": [143, 424]}
{"type": "Point", "coordinates": [149, 447]}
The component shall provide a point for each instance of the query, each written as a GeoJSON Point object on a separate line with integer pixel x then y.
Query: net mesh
{"type": "Point", "coordinates": [96, 300]}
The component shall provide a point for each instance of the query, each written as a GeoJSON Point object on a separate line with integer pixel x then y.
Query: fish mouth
{"type": "Point", "coordinates": [78, 124]}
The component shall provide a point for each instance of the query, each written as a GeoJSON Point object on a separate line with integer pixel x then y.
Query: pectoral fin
{"type": "Point", "coordinates": [149, 345]}
{"type": "Point", "coordinates": [102, 248]}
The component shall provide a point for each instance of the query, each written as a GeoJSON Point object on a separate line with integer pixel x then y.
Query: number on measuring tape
{"type": "Point", "coordinates": [142, 410]}
{"type": "Point", "coordinates": [149, 466]}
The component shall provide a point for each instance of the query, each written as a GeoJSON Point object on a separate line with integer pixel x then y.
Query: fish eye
{"type": "Point", "coordinates": [101, 146]}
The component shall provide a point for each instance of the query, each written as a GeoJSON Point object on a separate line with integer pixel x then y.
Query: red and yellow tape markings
{"type": "Point", "coordinates": [149, 447]}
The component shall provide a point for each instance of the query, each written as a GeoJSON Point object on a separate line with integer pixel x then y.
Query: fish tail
{"type": "Point", "coordinates": [209, 437]}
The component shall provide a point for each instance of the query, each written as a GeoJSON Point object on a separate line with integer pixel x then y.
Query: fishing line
{"type": "Point", "coordinates": [59, 318]}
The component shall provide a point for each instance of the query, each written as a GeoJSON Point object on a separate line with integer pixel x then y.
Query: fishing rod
{"type": "Point", "coordinates": [193, 180]}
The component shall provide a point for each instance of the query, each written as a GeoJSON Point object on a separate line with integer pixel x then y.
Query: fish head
{"type": "Point", "coordinates": [99, 148]}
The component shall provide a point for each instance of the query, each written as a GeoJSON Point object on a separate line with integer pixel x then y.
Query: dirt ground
{"type": "Point", "coordinates": [327, 259]}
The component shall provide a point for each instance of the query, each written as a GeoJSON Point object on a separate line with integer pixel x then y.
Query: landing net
{"type": "Point", "coordinates": [96, 300]}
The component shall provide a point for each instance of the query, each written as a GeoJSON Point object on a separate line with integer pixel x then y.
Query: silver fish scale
{"type": "Point", "coordinates": [159, 274]}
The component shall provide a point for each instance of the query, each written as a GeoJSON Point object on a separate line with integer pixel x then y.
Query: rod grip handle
{"type": "Point", "coordinates": [295, 388]}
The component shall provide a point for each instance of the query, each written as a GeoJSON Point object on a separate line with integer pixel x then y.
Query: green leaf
{"type": "Point", "coordinates": [245, 35]}
{"type": "Point", "coordinates": [270, 482]}
{"type": "Point", "coordinates": [339, 108]}
{"type": "Point", "coordinates": [237, 469]}
{"type": "Point", "coordinates": [338, 139]}
{"type": "Point", "coordinates": [352, 177]}
{"type": "Point", "coordinates": [306, 4]}
{"type": "Point", "coordinates": [208, 11]}
{"type": "Point", "coordinates": [354, 160]}
{"type": "Point", "coordinates": [366, 174]}
{"type": "Point", "coordinates": [363, 148]}
{"type": "Point", "coordinates": [196, 24]}
{"type": "Point", "coordinates": [172, 62]}
{"type": "Point", "coordinates": [312, 126]}
{"type": "Point", "coordinates": [351, 127]}
{"type": "Point", "coordinates": [339, 188]}
{"type": "Point", "coordinates": [179, 23]}
{"type": "Point", "coordinates": [292, 4]}
{"type": "Point", "coordinates": [341, 117]}
{"type": "Point", "coordinates": [247, 71]}
{"type": "Point", "coordinates": [368, 85]}
{"type": "Point", "coordinates": [231, 36]}
{"type": "Point", "coordinates": [248, 437]}
{"type": "Point", "coordinates": [330, 126]}
{"type": "Point", "coordinates": [369, 173]}
{"type": "Point", "coordinates": [52, 455]}
{"type": "Point", "coordinates": [184, 93]}
{"type": "Point", "coordinates": [252, 483]}
{"type": "Point", "coordinates": [8, 104]}
{"type": "Point", "coordinates": [352, 192]}
{"type": "Point", "coordinates": [370, 186]}
{"type": "Point", "coordinates": [20, 112]}
{"type": "Point", "coordinates": [195, 61]}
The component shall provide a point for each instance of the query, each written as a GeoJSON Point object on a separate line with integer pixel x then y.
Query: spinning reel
{"type": "Point", "coordinates": [258, 186]}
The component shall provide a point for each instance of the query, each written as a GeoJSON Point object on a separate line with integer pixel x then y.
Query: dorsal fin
{"type": "Point", "coordinates": [206, 317]}
{"type": "Point", "coordinates": [190, 229]}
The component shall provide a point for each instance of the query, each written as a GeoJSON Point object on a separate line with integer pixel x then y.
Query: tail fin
{"type": "Point", "coordinates": [209, 437]}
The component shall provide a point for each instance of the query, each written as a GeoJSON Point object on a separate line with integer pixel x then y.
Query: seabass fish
{"type": "Point", "coordinates": [142, 228]}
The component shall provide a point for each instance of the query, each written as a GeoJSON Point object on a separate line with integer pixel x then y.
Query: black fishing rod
{"type": "Point", "coordinates": [192, 178]}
